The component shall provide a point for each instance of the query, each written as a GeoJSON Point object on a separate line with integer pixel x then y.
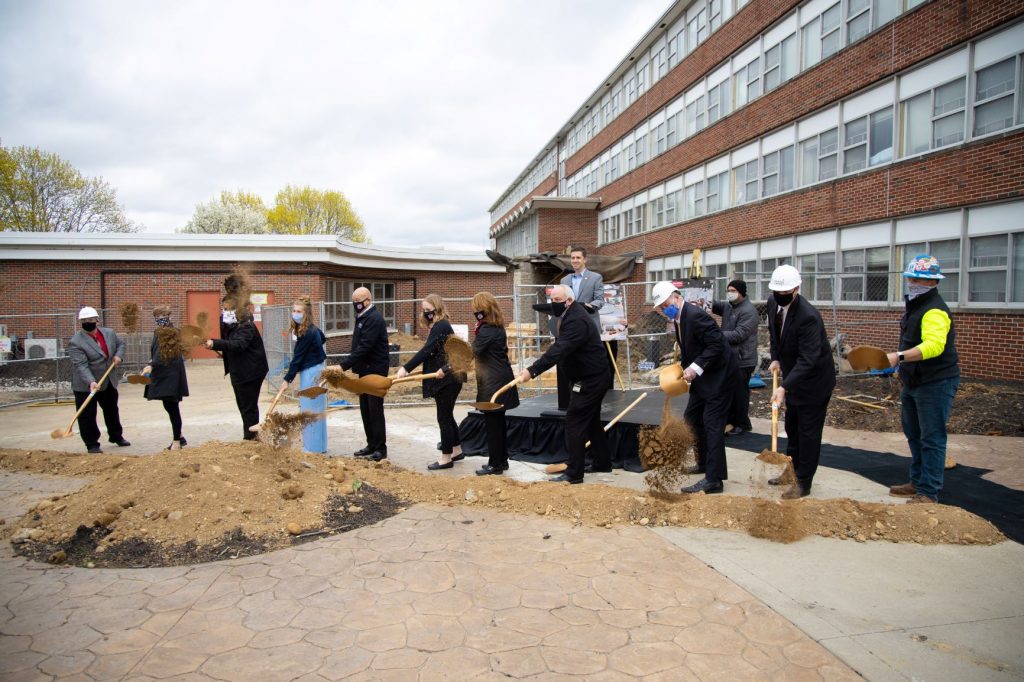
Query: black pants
{"type": "Point", "coordinates": [497, 451]}
{"type": "Point", "coordinates": [371, 409]}
{"type": "Point", "coordinates": [564, 388]}
{"type": "Point", "coordinates": [707, 418]}
{"type": "Point", "coordinates": [171, 406]}
{"type": "Point", "coordinates": [739, 413]}
{"type": "Point", "coordinates": [107, 399]}
{"type": "Point", "coordinates": [583, 423]}
{"type": "Point", "coordinates": [247, 397]}
{"type": "Point", "coordinates": [804, 424]}
{"type": "Point", "coordinates": [444, 400]}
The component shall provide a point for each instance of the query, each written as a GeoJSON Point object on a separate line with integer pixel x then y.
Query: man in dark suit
{"type": "Point", "coordinates": [369, 355]}
{"type": "Point", "coordinates": [92, 350]}
{"type": "Point", "coordinates": [581, 355]}
{"type": "Point", "coordinates": [587, 289]}
{"type": "Point", "coordinates": [710, 367]}
{"type": "Point", "coordinates": [800, 348]}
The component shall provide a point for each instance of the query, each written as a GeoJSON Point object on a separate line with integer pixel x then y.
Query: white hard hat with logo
{"type": "Point", "coordinates": [784, 278]}
{"type": "Point", "coordinates": [87, 312]}
{"type": "Point", "coordinates": [661, 292]}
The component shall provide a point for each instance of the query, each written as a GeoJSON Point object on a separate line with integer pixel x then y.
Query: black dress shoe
{"type": "Point", "coordinates": [562, 478]}
{"type": "Point", "coordinates": [705, 486]}
{"type": "Point", "coordinates": [377, 456]}
{"type": "Point", "coordinates": [459, 457]}
{"type": "Point", "coordinates": [120, 442]}
{"type": "Point", "coordinates": [775, 481]}
{"type": "Point", "coordinates": [434, 466]}
{"type": "Point", "coordinates": [94, 450]}
{"type": "Point", "coordinates": [488, 470]}
{"type": "Point", "coordinates": [183, 441]}
{"type": "Point", "coordinates": [362, 452]}
{"type": "Point", "coordinates": [735, 431]}
{"type": "Point", "coordinates": [696, 470]}
{"type": "Point", "coordinates": [589, 469]}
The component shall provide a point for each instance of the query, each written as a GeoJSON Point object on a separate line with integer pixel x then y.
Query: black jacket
{"type": "Point", "coordinates": [944, 366]}
{"type": "Point", "coordinates": [244, 356]}
{"type": "Point", "coordinates": [701, 342]}
{"type": "Point", "coordinates": [493, 370]}
{"type": "Point", "coordinates": [308, 352]}
{"type": "Point", "coordinates": [369, 354]}
{"type": "Point", "coordinates": [168, 380]}
{"type": "Point", "coordinates": [433, 357]}
{"type": "Point", "coordinates": [578, 348]}
{"type": "Point", "coordinates": [808, 370]}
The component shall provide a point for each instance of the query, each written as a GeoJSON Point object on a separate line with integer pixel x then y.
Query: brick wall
{"type": "Point", "coordinates": [558, 228]}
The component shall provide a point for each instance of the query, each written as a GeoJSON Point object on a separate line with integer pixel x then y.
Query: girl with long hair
{"type": "Point", "coordinates": [493, 370]}
{"type": "Point", "coordinates": [307, 362]}
{"type": "Point", "coordinates": [166, 370]}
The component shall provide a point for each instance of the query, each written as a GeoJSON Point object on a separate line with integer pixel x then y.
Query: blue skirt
{"type": "Point", "coordinates": [314, 436]}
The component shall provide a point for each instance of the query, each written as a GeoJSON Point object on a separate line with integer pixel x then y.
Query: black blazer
{"type": "Point", "coordinates": [577, 349]}
{"type": "Point", "coordinates": [493, 370]}
{"type": "Point", "coordinates": [701, 341]}
{"type": "Point", "coordinates": [244, 356]}
{"type": "Point", "coordinates": [308, 352]}
{"type": "Point", "coordinates": [167, 380]}
{"type": "Point", "coordinates": [369, 354]}
{"type": "Point", "coordinates": [433, 357]}
{"type": "Point", "coordinates": [808, 371]}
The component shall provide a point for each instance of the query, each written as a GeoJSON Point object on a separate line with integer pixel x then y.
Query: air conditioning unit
{"type": "Point", "coordinates": [39, 349]}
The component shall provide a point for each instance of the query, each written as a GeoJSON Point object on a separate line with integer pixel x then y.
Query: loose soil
{"type": "Point", "coordinates": [980, 407]}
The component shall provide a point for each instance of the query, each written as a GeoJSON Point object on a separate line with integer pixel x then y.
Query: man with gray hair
{"type": "Point", "coordinates": [578, 350]}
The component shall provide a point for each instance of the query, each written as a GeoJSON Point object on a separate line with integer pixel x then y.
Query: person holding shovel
{"type": "Point", "coordinates": [929, 368]}
{"type": "Point", "coordinates": [369, 355]}
{"type": "Point", "coordinates": [166, 371]}
{"type": "Point", "coordinates": [493, 370]}
{"type": "Point", "coordinates": [245, 360]}
{"type": "Point", "coordinates": [800, 349]}
{"type": "Point", "coordinates": [445, 389]}
{"type": "Point", "coordinates": [93, 350]}
{"type": "Point", "coordinates": [308, 358]}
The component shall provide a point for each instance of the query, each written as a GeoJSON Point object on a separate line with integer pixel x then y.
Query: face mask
{"type": "Point", "coordinates": [782, 299]}
{"type": "Point", "coordinates": [732, 296]}
{"type": "Point", "coordinates": [297, 317]}
{"type": "Point", "coordinates": [671, 311]}
{"type": "Point", "coordinates": [359, 306]}
{"type": "Point", "coordinates": [428, 315]}
{"type": "Point", "coordinates": [479, 316]}
{"type": "Point", "coordinates": [557, 308]}
{"type": "Point", "coordinates": [915, 290]}
{"type": "Point", "coordinates": [89, 326]}
{"type": "Point", "coordinates": [228, 317]}
{"type": "Point", "coordinates": [163, 322]}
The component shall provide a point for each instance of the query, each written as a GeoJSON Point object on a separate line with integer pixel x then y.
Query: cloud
{"type": "Point", "coordinates": [421, 113]}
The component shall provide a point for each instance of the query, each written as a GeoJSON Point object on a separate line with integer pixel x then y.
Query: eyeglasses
{"type": "Point", "coordinates": [360, 302]}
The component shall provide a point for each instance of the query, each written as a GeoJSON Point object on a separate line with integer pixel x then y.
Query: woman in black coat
{"type": "Point", "coordinates": [245, 361]}
{"type": "Point", "coordinates": [493, 370]}
{"type": "Point", "coordinates": [444, 389]}
{"type": "Point", "coordinates": [166, 370]}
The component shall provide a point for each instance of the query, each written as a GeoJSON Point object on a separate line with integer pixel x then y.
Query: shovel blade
{"type": "Point", "coordinates": [487, 407]}
{"type": "Point", "coordinates": [313, 392]}
{"type": "Point", "coordinates": [139, 379]}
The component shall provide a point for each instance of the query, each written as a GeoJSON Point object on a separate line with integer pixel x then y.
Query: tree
{"type": "Point", "coordinates": [306, 210]}
{"type": "Point", "coordinates": [41, 192]}
{"type": "Point", "coordinates": [220, 217]}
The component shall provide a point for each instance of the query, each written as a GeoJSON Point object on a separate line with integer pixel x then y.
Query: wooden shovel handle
{"type": "Point", "coordinates": [273, 404]}
{"type": "Point", "coordinates": [494, 398]}
{"type": "Point", "coordinates": [92, 395]}
{"type": "Point", "coordinates": [620, 415]}
{"type": "Point", "coordinates": [413, 377]}
{"type": "Point", "coordinates": [775, 410]}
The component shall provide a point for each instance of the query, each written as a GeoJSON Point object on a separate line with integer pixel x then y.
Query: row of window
{"type": "Point", "coordinates": [523, 188]}
{"type": "Point", "coordinates": [862, 264]}
{"type": "Point", "coordinates": [975, 91]}
{"type": "Point", "coordinates": [519, 240]}
{"type": "Point", "coordinates": [340, 315]}
{"type": "Point", "coordinates": [809, 34]}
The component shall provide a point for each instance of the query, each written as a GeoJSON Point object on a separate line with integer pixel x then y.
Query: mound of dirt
{"type": "Point", "coordinates": [665, 450]}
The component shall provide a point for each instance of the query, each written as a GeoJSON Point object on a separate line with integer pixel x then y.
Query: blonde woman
{"type": "Point", "coordinates": [445, 388]}
{"type": "Point", "coordinates": [493, 370]}
{"type": "Point", "coordinates": [308, 359]}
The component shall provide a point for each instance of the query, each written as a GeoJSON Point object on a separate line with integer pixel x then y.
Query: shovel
{"type": "Point", "coordinates": [864, 358]}
{"type": "Point", "coordinates": [773, 456]}
{"type": "Point", "coordinates": [671, 381]}
{"type": "Point", "coordinates": [192, 336]}
{"type": "Point", "coordinates": [66, 433]}
{"type": "Point", "coordinates": [620, 415]}
{"type": "Point", "coordinates": [255, 428]}
{"type": "Point", "coordinates": [494, 404]}
{"type": "Point", "coordinates": [320, 389]}
{"type": "Point", "coordinates": [141, 379]}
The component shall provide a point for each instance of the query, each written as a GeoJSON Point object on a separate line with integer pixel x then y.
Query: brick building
{"type": "Point", "coordinates": [840, 136]}
{"type": "Point", "coordinates": [44, 272]}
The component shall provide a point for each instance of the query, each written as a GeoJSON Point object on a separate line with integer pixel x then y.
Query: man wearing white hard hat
{"type": "Point", "coordinates": [800, 349]}
{"type": "Point", "coordinates": [710, 367]}
{"type": "Point", "coordinates": [92, 350]}
{"type": "Point", "coordinates": [930, 370]}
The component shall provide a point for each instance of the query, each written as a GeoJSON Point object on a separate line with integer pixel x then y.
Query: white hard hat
{"type": "Point", "coordinates": [661, 292]}
{"type": "Point", "coordinates": [785, 278]}
{"type": "Point", "coordinates": [87, 312]}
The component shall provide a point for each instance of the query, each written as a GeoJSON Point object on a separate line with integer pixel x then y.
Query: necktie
{"type": "Point", "coordinates": [778, 322]}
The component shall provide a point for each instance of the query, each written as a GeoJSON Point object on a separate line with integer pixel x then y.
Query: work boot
{"type": "Point", "coordinates": [922, 499]}
{"type": "Point", "coordinates": [905, 490]}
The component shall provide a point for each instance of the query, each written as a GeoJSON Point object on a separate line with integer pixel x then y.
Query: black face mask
{"type": "Point", "coordinates": [89, 326]}
{"type": "Point", "coordinates": [359, 306]}
{"type": "Point", "coordinates": [782, 299]}
{"type": "Point", "coordinates": [557, 308]}
{"type": "Point", "coordinates": [479, 316]}
{"type": "Point", "coordinates": [428, 315]}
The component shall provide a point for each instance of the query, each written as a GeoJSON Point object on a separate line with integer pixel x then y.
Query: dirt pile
{"type": "Point", "coordinates": [665, 450]}
{"type": "Point", "coordinates": [281, 430]}
{"type": "Point", "coordinates": [772, 457]}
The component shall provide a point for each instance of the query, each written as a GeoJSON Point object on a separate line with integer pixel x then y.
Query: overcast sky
{"type": "Point", "coordinates": [421, 112]}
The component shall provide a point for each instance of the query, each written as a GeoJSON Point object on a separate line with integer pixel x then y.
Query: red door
{"type": "Point", "coordinates": [204, 304]}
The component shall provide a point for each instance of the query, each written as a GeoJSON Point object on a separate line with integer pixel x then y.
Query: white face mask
{"type": "Point", "coordinates": [732, 296]}
{"type": "Point", "coordinates": [228, 317]}
{"type": "Point", "coordinates": [915, 290]}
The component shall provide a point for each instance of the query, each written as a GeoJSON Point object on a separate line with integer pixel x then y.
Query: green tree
{"type": "Point", "coordinates": [41, 192]}
{"type": "Point", "coordinates": [306, 210]}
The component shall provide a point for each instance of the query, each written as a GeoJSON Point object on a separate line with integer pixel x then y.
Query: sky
{"type": "Point", "coordinates": [421, 113]}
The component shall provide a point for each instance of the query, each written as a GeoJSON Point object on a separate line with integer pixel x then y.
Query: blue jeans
{"type": "Point", "coordinates": [926, 410]}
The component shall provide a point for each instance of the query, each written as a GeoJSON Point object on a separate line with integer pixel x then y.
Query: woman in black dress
{"type": "Point", "coordinates": [166, 370]}
{"type": "Point", "coordinates": [245, 360]}
{"type": "Point", "coordinates": [444, 389]}
{"type": "Point", "coordinates": [493, 370]}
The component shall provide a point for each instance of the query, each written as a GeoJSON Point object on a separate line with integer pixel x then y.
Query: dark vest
{"type": "Point", "coordinates": [944, 366]}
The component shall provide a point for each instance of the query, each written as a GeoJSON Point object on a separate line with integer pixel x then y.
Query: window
{"type": "Point", "coordinates": [658, 213]}
{"type": "Point", "coordinates": [672, 130]}
{"type": "Point", "coordinates": [747, 271]}
{"type": "Point", "coordinates": [697, 29]}
{"type": "Point", "coordinates": [718, 102]}
{"type": "Point", "coordinates": [744, 183]}
{"type": "Point", "coordinates": [821, 36]}
{"type": "Point", "coordinates": [614, 223]}
{"type": "Point", "coordinates": [748, 82]}
{"type": "Point", "coordinates": [339, 315]}
{"type": "Point", "coordinates": [672, 200]}
{"type": "Point", "coordinates": [695, 116]}
{"type": "Point", "coordinates": [884, 11]}
{"type": "Point", "coordinates": [993, 97]}
{"type": "Point", "coordinates": [867, 141]}
{"type": "Point", "coordinates": [816, 271]}
{"type": "Point", "coordinates": [641, 78]}
{"type": "Point", "coordinates": [865, 274]}
{"type": "Point", "coordinates": [640, 149]}
{"type": "Point", "coordinates": [616, 170]}
{"type": "Point", "coordinates": [675, 48]}
{"type": "Point", "coordinates": [694, 200]}
{"type": "Point", "coordinates": [719, 279]}
{"type": "Point", "coordinates": [768, 266]}
{"type": "Point", "coordinates": [858, 19]}
{"type": "Point", "coordinates": [660, 63]}
{"type": "Point", "coordinates": [1018, 268]}
{"type": "Point", "coordinates": [638, 220]}
{"type": "Point", "coordinates": [660, 138]}
{"type": "Point", "coordinates": [819, 157]}
{"type": "Point", "coordinates": [934, 118]}
{"type": "Point", "coordinates": [989, 260]}
{"type": "Point", "coordinates": [947, 252]}
{"type": "Point", "coordinates": [777, 172]}
{"type": "Point", "coordinates": [780, 63]}
{"type": "Point", "coordinates": [717, 192]}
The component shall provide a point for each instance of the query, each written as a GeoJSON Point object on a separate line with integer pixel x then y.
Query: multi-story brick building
{"type": "Point", "coordinates": [841, 136]}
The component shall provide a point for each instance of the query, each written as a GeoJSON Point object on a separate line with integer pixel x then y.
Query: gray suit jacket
{"type": "Point", "coordinates": [591, 293]}
{"type": "Point", "coordinates": [87, 359]}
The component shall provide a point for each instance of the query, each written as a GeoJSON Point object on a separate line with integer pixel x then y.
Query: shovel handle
{"type": "Point", "coordinates": [413, 377]}
{"type": "Point", "coordinates": [92, 394]}
{"type": "Point", "coordinates": [494, 398]}
{"type": "Point", "coordinates": [273, 404]}
{"type": "Point", "coordinates": [620, 415]}
{"type": "Point", "coordinates": [775, 410]}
